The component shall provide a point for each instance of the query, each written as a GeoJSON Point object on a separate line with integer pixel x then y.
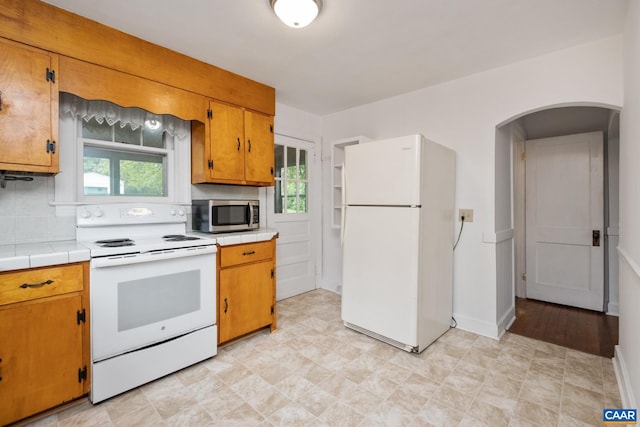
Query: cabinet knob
{"type": "Point", "coordinates": [238, 144]}
{"type": "Point", "coordinates": [249, 141]}
{"type": "Point", "coordinates": [226, 305]}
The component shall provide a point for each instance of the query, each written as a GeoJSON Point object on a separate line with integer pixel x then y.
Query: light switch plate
{"type": "Point", "coordinates": [467, 213]}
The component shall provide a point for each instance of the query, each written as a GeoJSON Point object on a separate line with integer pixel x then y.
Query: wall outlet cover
{"type": "Point", "coordinates": [466, 213]}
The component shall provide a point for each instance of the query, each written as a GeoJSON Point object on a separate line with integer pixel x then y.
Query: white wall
{"type": "Point", "coordinates": [628, 351]}
{"type": "Point", "coordinates": [463, 114]}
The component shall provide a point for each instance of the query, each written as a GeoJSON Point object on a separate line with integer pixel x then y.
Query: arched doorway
{"type": "Point", "coordinates": [551, 125]}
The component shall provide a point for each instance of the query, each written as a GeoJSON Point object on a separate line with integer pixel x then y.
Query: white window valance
{"type": "Point", "coordinates": [105, 111]}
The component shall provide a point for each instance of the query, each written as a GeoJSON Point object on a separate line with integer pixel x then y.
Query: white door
{"type": "Point", "coordinates": [293, 208]}
{"type": "Point", "coordinates": [564, 186]}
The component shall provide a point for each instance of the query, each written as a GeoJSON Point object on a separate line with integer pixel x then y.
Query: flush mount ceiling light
{"type": "Point", "coordinates": [296, 13]}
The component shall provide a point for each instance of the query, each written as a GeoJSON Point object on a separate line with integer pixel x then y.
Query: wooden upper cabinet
{"type": "Point", "coordinates": [234, 146]}
{"type": "Point", "coordinates": [28, 109]}
{"type": "Point", "coordinates": [259, 148]}
{"type": "Point", "coordinates": [226, 146]}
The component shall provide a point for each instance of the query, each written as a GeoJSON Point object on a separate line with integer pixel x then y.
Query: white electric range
{"type": "Point", "coordinates": [153, 294]}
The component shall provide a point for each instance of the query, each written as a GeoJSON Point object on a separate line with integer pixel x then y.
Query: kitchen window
{"type": "Point", "coordinates": [124, 154]}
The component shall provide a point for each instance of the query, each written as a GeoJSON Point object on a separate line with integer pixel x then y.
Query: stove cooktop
{"type": "Point", "coordinates": [141, 244]}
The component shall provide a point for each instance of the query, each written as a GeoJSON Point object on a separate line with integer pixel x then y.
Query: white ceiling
{"type": "Point", "coordinates": [359, 51]}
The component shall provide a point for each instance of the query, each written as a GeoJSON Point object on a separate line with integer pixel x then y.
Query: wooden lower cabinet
{"type": "Point", "coordinates": [43, 342]}
{"type": "Point", "coordinates": [246, 289]}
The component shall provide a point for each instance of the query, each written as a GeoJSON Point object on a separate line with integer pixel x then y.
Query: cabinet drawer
{"type": "Point", "coordinates": [245, 253]}
{"type": "Point", "coordinates": [28, 284]}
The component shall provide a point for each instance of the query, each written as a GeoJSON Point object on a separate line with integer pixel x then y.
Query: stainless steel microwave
{"type": "Point", "coordinates": [219, 216]}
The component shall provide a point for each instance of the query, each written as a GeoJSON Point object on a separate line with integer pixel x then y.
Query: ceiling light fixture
{"type": "Point", "coordinates": [296, 13]}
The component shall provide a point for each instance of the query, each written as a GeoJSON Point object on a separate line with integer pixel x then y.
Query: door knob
{"type": "Point", "coordinates": [595, 238]}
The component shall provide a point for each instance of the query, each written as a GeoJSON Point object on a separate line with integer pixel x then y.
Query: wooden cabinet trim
{"type": "Point", "coordinates": [53, 29]}
{"type": "Point", "coordinates": [94, 82]}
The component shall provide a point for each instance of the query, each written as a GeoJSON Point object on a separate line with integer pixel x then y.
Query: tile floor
{"type": "Point", "coordinates": [314, 372]}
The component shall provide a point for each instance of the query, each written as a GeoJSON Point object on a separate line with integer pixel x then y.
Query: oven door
{"type": "Point", "coordinates": [142, 299]}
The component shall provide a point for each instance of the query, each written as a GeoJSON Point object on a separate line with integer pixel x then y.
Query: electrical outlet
{"type": "Point", "coordinates": [466, 213]}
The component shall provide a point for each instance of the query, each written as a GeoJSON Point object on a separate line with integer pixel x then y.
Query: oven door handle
{"type": "Point", "coordinates": [112, 261]}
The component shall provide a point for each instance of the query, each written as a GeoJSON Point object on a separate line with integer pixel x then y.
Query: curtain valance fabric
{"type": "Point", "coordinates": [105, 111]}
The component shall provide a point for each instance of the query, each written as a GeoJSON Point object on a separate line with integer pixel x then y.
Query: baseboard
{"type": "Point", "coordinates": [622, 376]}
{"type": "Point", "coordinates": [506, 321]}
{"type": "Point", "coordinates": [476, 326]}
{"type": "Point", "coordinates": [329, 286]}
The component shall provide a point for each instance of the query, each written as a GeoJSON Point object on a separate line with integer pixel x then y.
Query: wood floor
{"type": "Point", "coordinates": [583, 330]}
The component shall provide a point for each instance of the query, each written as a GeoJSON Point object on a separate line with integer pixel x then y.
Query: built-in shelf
{"type": "Point", "coordinates": [337, 162]}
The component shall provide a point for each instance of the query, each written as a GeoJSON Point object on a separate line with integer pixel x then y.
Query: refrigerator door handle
{"type": "Point", "coordinates": [343, 207]}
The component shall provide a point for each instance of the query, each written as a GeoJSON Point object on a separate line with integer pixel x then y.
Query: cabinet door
{"type": "Point", "coordinates": [226, 148]}
{"type": "Point", "coordinates": [28, 109]}
{"type": "Point", "coordinates": [40, 354]}
{"type": "Point", "coordinates": [259, 148]}
{"type": "Point", "coordinates": [246, 298]}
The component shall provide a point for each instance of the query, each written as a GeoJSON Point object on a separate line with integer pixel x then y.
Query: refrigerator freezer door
{"type": "Point", "coordinates": [380, 271]}
{"type": "Point", "coordinates": [384, 173]}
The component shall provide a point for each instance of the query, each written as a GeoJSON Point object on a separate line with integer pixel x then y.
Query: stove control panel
{"type": "Point", "coordinates": [129, 213]}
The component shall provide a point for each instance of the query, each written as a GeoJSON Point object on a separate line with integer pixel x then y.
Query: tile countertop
{"type": "Point", "coordinates": [226, 239]}
{"type": "Point", "coordinates": [30, 255]}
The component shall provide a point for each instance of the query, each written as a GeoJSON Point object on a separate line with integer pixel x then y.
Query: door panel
{"type": "Point", "coordinates": [564, 186]}
{"type": "Point", "coordinates": [259, 148]}
{"type": "Point", "coordinates": [227, 142]}
{"type": "Point", "coordinates": [25, 116]}
{"type": "Point", "coordinates": [246, 293]}
{"type": "Point", "coordinates": [380, 271]}
{"type": "Point", "coordinates": [41, 348]}
{"type": "Point", "coordinates": [292, 205]}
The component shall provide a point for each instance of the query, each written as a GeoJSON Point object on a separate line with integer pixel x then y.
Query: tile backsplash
{"type": "Point", "coordinates": [26, 215]}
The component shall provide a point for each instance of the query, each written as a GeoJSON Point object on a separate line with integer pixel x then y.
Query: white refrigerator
{"type": "Point", "coordinates": [397, 240]}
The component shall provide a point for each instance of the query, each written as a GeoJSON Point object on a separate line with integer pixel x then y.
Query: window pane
{"type": "Point", "coordinates": [152, 134]}
{"type": "Point", "coordinates": [291, 197]}
{"type": "Point", "coordinates": [142, 178]}
{"type": "Point", "coordinates": [303, 164]}
{"type": "Point", "coordinates": [292, 172]}
{"type": "Point", "coordinates": [127, 135]}
{"type": "Point", "coordinates": [97, 176]}
{"type": "Point", "coordinates": [278, 197]}
{"type": "Point", "coordinates": [279, 160]}
{"type": "Point", "coordinates": [302, 199]}
{"type": "Point", "coordinates": [94, 130]}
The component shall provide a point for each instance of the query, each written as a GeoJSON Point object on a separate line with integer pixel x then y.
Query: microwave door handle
{"type": "Point", "coordinates": [250, 214]}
